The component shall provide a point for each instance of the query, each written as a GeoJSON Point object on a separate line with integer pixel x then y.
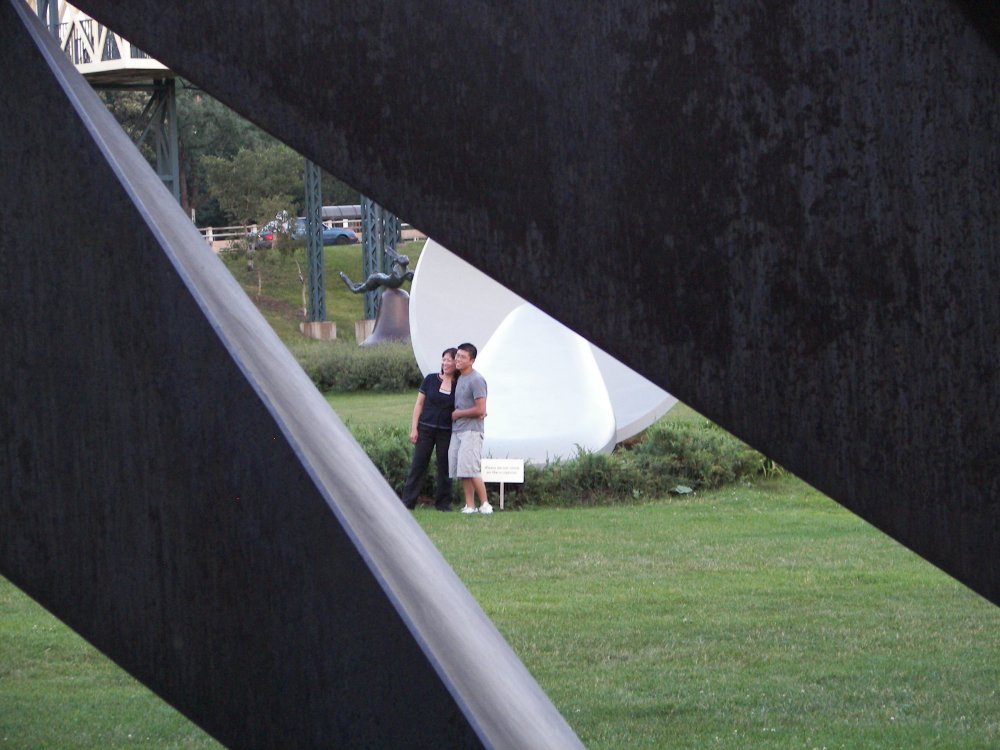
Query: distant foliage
{"type": "Point", "coordinates": [344, 366]}
{"type": "Point", "coordinates": [254, 184]}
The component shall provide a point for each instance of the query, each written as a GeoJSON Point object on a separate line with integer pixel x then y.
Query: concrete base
{"type": "Point", "coordinates": [363, 329]}
{"type": "Point", "coordinates": [324, 330]}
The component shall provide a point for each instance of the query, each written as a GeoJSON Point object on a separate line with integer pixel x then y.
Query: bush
{"type": "Point", "coordinates": [390, 450]}
{"type": "Point", "coordinates": [668, 454]}
{"type": "Point", "coordinates": [700, 456]}
{"type": "Point", "coordinates": [342, 366]}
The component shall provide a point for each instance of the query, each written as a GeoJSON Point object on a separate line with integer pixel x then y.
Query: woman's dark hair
{"type": "Point", "coordinates": [452, 351]}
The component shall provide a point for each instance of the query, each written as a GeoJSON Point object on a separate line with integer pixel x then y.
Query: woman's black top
{"type": "Point", "coordinates": [437, 406]}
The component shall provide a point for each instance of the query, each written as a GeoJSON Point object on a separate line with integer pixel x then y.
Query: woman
{"type": "Point", "coordinates": [430, 429]}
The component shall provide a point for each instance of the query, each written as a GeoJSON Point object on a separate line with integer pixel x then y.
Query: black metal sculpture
{"type": "Point", "coordinates": [804, 204]}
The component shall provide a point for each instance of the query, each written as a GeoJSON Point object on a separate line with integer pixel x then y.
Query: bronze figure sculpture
{"type": "Point", "coordinates": [392, 280]}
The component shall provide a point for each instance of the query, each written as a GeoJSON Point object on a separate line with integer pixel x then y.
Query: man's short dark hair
{"type": "Point", "coordinates": [468, 349]}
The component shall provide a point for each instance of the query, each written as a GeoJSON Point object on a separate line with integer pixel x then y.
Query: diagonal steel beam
{"type": "Point", "coordinates": [174, 488]}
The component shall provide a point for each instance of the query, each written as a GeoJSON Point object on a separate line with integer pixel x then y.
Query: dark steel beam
{"type": "Point", "coordinates": [785, 213]}
{"type": "Point", "coordinates": [175, 489]}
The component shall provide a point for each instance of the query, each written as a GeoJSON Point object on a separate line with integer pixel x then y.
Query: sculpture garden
{"type": "Point", "coordinates": [757, 614]}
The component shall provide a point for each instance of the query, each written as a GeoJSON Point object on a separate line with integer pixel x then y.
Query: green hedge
{"type": "Point", "coordinates": [669, 457]}
{"type": "Point", "coordinates": [344, 366]}
{"type": "Point", "coordinates": [390, 450]}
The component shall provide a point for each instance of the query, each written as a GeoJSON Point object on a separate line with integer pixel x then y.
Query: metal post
{"type": "Point", "coordinates": [371, 258]}
{"type": "Point", "coordinates": [165, 131]}
{"type": "Point", "coordinates": [390, 237]}
{"type": "Point", "coordinates": [173, 161]}
{"type": "Point", "coordinates": [161, 111]}
{"type": "Point", "coordinates": [380, 232]}
{"type": "Point", "coordinates": [314, 242]}
{"type": "Point", "coordinates": [49, 8]}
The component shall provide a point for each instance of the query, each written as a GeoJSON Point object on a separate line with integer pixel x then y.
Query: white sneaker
{"type": "Point", "coordinates": [467, 509]}
{"type": "Point", "coordinates": [486, 509]}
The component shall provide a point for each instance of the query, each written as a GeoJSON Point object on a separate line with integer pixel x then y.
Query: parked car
{"type": "Point", "coordinates": [266, 235]}
{"type": "Point", "coordinates": [339, 236]}
{"type": "Point", "coordinates": [264, 238]}
{"type": "Point", "coordinates": [331, 235]}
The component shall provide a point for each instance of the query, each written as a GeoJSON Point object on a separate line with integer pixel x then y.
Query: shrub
{"type": "Point", "coordinates": [701, 456]}
{"type": "Point", "coordinates": [587, 479]}
{"type": "Point", "coordinates": [390, 450]}
{"type": "Point", "coordinates": [342, 366]}
{"type": "Point", "coordinates": [668, 454]}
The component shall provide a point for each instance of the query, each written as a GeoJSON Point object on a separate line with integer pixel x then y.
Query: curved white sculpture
{"type": "Point", "coordinates": [553, 400]}
{"type": "Point", "coordinates": [551, 392]}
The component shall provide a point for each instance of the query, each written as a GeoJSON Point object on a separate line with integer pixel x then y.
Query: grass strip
{"type": "Point", "coordinates": [764, 617]}
{"type": "Point", "coordinates": [758, 616]}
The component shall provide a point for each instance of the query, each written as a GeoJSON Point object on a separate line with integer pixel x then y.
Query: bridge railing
{"type": "Point", "coordinates": [94, 48]}
{"type": "Point", "coordinates": [220, 238]}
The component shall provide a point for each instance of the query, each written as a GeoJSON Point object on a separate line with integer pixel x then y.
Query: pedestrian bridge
{"type": "Point", "coordinates": [103, 57]}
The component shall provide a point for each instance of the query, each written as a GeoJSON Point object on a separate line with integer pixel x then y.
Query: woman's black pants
{"type": "Point", "coordinates": [429, 439]}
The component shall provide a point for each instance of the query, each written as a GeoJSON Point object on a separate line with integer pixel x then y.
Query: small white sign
{"type": "Point", "coordinates": [503, 470]}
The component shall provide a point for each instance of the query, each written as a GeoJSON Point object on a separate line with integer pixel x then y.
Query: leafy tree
{"type": "Point", "coordinates": [208, 128]}
{"type": "Point", "coordinates": [337, 193]}
{"type": "Point", "coordinates": [263, 176]}
{"type": "Point", "coordinates": [254, 185]}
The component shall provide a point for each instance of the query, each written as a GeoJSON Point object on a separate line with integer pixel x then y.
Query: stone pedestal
{"type": "Point", "coordinates": [325, 330]}
{"type": "Point", "coordinates": [363, 329]}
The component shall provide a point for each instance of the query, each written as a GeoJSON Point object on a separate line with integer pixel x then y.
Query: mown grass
{"type": "Point", "coordinates": [763, 616]}
{"type": "Point", "coordinates": [367, 408]}
{"type": "Point", "coordinates": [372, 408]}
{"type": "Point", "coordinates": [57, 691]}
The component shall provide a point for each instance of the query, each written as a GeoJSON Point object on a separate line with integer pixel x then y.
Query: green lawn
{"type": "Point", "coordinates": [373, 408]}
{"type": "Point", "coordinates": [395, 409]}
{"type": "Point", "coordinates": [57, 691]}
{"type": "Point", "coordinates": [764, 617]}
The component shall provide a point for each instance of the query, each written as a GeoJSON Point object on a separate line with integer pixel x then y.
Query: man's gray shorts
{"type": "Point", "coordinates": [465, 454]}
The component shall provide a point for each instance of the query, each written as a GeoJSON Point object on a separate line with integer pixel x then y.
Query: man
{"type": "Point", "coordinates": [466, 449]}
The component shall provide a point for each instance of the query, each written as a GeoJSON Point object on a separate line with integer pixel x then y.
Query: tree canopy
{"type": "Point", "coordinates": [231, 171]}
{"type": "Point", "coordinates": [253, 185]}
